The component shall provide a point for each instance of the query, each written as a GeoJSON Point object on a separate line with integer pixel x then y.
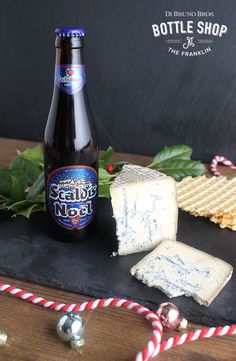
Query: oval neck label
{"type": "Point", "coordinates": [71, 195]}
{"type": "Point", "coordinates": [70, 78]}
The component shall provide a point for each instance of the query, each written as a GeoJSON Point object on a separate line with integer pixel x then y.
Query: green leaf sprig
{"type": "Point", "coordinates": [105, 178]}
{"type": "Point", "coordinates": [22, 184]}
{"type": "Point", "coordinates": [176, 162]}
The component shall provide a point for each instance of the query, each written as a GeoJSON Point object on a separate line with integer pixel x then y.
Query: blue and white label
{"type": "Point", "coordinates": [72, 193]}
{"type": "Point", "coordinates": [70, 78]}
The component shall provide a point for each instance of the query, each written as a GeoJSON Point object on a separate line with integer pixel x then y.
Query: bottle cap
{"type": "Point", "coordinates": [69, 32]}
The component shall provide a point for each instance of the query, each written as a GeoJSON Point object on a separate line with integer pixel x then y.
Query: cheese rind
{"type": "Point", "coordinates": [178, 269]}
{"type": "Point", "coordinates": [145, 208]}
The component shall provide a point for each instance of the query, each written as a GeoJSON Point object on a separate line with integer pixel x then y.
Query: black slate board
{"type": "Point", "coordinates": [28, 252]}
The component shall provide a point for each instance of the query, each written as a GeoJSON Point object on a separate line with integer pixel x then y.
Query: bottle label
{"type": "Point", "coordinates": [72, 193]}
{"type": "Point", "coordinates": [70, 78]}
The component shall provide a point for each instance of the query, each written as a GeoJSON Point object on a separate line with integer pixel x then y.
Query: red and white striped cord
{"type": "Point", "coordinates": [218, 159]}
{"type": "Point", "coordinates": [153, 347]}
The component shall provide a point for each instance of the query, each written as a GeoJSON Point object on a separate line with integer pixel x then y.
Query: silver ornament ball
{"type": "Point", "coordinates": [70, 328]}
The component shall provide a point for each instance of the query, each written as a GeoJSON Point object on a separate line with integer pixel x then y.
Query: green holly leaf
{"type": "Point", "coordinates": [39, 198]}
{"type": "Point", "coordinates": [26, 212]}
{"type": "Point", "coordinates": [37, 187]}
{"type": "Point", "coordinates": [104, 190]}
{"type": "Point", "coordinates": [102, 163]}
{"type": "Point", "coordinates": [104, 176]}
{"type": "Point", "coordinates": [25, 170]}
{"type": "Point", "coordinates": [33, 153]}
{"type": "Point", "coordinates": [3, 206]}
{"type": "Point", "coordinates": [5, 182]}
{"type": "Point", "coordinates": [180, 151]}
{"type": "Point", "coordinates": [107, 155]}
{"type": "Point", "coordinates": [26, 207]}
{"type": "Point", "coordinates": [17, 190]}
{"type": "Point", "coordinates": [181, 168]}
{"type": "Point", "coordinates": [119, 165]}
{"type": "Point", "coordinates": [3, 199]}
{"type": "Point", "coordinates": [20, 205]}
{"type": "Point", "coordinates": [4, 202]}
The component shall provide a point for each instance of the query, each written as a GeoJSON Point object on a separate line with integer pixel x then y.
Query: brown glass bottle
{"type": "Point", "coordinates": [70, 145]}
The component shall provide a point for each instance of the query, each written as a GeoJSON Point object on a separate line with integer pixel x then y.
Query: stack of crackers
{"type": "Point", "coordinates": [209, 197]}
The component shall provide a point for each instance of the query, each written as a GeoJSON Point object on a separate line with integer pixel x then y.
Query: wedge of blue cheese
{"type": "Point", "coordinates": [178, 269]}
{"type": "Point", "coordinates": [144, 207]}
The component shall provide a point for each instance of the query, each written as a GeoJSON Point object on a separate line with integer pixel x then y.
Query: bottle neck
{"type": "Point", "coordinates": [70, 77]}
{"type": "Point", "coordinates": [68, 56]}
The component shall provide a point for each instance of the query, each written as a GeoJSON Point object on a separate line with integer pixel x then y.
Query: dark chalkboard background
{"type": "Point", "coordinates": [142, 97]}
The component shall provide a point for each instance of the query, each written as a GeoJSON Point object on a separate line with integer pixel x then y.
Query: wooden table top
{"type": "Point", "coordinates": [110, 334]}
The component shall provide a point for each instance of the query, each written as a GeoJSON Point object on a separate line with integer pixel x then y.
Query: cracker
{"type": "Point", "coordinates": [225, 219]}
{"type": "Point", "coordinates": [213, 197]}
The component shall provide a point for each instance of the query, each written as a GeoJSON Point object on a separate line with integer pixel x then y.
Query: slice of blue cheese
{"type": "Point", "coordinates": [144, 207]}
{"type": "Point", "coordinates": [178, 269]}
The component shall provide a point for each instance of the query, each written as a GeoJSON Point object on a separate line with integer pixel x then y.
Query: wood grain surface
{"type": "Point", "coordinates": [110, 334]}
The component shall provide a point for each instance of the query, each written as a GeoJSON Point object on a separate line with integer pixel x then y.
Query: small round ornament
{"type": "Point", "coordinates": [3, 338]}
{"type": "Point", "coordinates": [170, 316]}
{"type": "Point", "coordinates": [70, 328]}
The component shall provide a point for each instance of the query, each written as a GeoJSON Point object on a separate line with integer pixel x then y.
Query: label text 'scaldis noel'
{"type": "Point", "coordinates": [187, 27]}
{"type": "Point", "coordinates": [75, 195]}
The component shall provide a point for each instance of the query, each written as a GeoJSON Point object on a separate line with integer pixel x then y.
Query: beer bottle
{"type": "Point", "coordinates": [70, 145]}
